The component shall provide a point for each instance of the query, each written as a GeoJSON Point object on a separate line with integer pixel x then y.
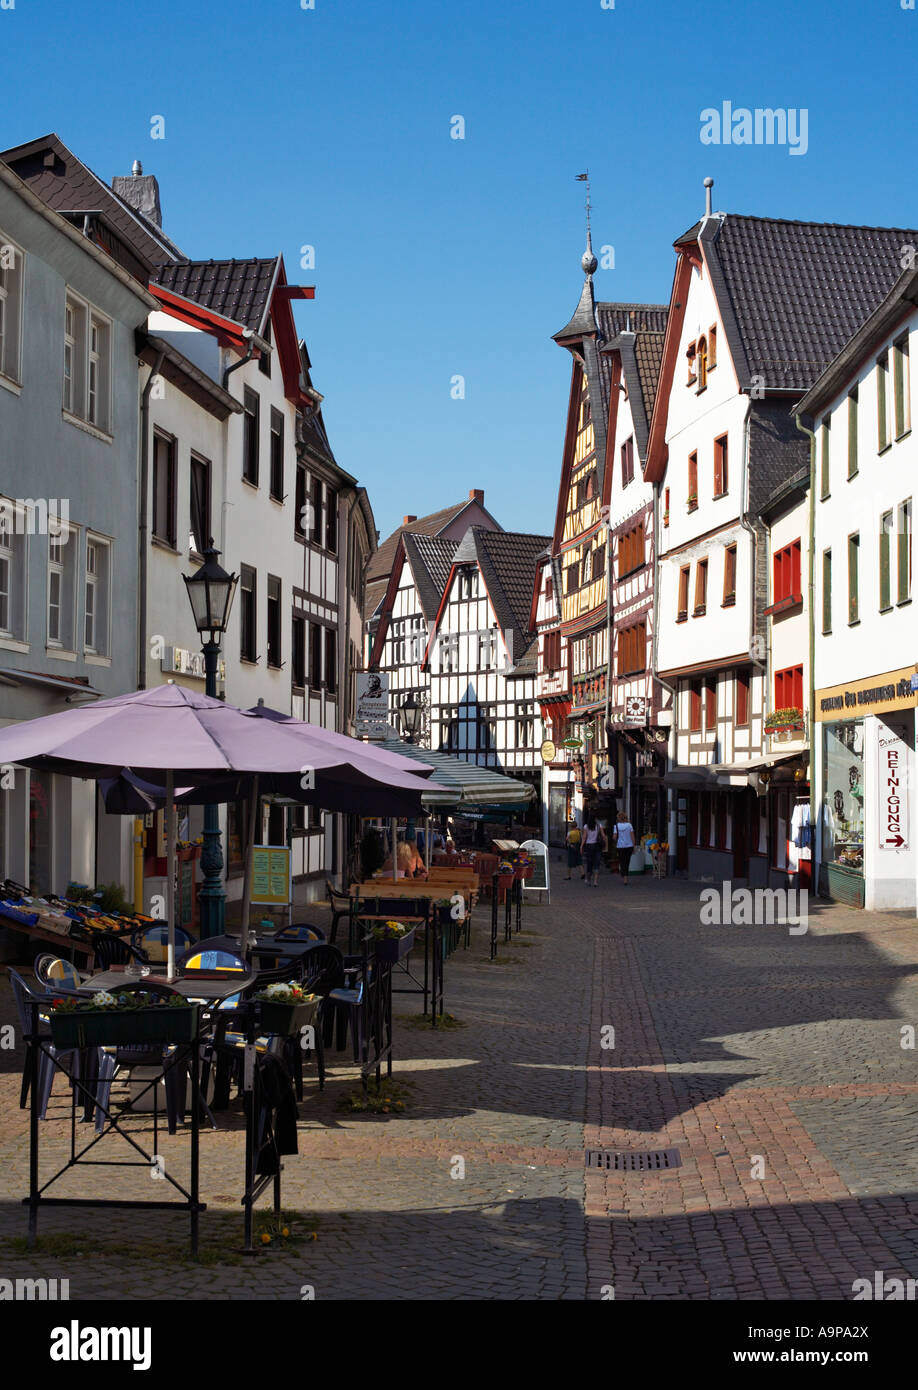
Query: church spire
{"type": "Point", "coordinates": [584, 319]}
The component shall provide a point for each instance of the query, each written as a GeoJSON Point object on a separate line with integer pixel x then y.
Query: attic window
{"type": "Point", "coordinates": [701, 365]}
{"type": "Point", "coordinates": [690, 354]}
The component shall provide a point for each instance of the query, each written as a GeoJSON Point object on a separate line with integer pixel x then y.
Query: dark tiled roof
{"type": "Point", "coordinates": [237, 290]}
{"type": "Point", "coordinates": [430, 558]}
{"type": "Point", "coordinates": [793, 293]}
{"type": "Point", "coordinates": [65, 184]}
{"type": "Point", "coordinates": [631, 318]}
{"type": "Point", "coordinates": [648, 351]}
{"type": "Point", "coordinates": [430, 525]}
{"type": "Point", "coordinates": [777, 450]}
{"type": "Point", "coordinates": [507, 560]}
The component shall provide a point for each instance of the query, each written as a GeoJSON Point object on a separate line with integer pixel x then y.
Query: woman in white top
{"type": "Point", "coordinates": [624, 843]}
{"type": "Point", "coordinates": [594, 840]}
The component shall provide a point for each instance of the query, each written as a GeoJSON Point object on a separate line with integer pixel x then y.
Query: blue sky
{"type": "Point", "coordinates": [437, 257]}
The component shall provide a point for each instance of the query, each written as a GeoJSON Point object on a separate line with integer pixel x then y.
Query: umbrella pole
{"type": "Point", "coordinates": [394, 834]}
{"type": "Point", "coordinates": [427, 843]}
{"type": "Point", "coordinates": [254, 802]}
{"type": "Point", "coordinates": [170, 871]}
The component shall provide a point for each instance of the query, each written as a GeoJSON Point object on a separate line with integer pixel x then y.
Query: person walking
{"type": "Point", "coordinates": [624, 843]}
{"type": "Point", "coordinates": [594, 840]}
{"type": "Point", "coordinates": [574, 857]}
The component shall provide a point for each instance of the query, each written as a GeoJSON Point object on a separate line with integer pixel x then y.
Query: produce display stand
{"type": "Point", "coordinates": [106, 1028]}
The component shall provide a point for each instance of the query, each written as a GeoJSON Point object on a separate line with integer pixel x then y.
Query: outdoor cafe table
{"type": "Point", "coordinates": [191, 1051]}
{"type": "Point", "coordinates": [191, 986]}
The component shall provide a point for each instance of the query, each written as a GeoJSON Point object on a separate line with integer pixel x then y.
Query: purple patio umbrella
{"type": "Point", "coordinates": [195, 740]}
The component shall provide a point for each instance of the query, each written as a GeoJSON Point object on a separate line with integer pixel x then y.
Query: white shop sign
{"type": "Point", "coordinates": [179, 661]}
{"type": "Point", "coordinates": [372, 713]}
{"type": "Point", "coordinates": [893, 791]}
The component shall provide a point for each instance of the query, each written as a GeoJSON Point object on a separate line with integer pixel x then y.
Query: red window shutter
{"type": "Point", "coordinates": [795, 581]}
{"type": "Point", "coordinates": [710, 703]}
{"type": "Point", "coordinates": [695, 707]}
{"type": "Point", "coordinates": [742, 697]}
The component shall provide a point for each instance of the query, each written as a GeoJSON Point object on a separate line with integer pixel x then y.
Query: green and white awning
{"type": "Point", "coordinates": [470, 784]}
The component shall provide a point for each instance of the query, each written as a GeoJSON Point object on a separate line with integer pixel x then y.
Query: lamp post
{"type": "Point", "coordinates": [210, 593]}
{"type": "Point", "coordinates": [412, 711]}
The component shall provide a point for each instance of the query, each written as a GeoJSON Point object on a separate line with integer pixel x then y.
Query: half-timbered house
{"type": "Point", "coordinates": [639, 709]}
{"type": "Point", "coordinates": [554, 699]}
{"type": "Point", "coordinates": [482, 657]}
{"type": "Point", "coordinates": [598, 433]}
{"type": "Point", "coordinates": [404, 620]}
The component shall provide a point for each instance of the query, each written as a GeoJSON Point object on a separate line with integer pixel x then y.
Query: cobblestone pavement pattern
{"type": "Point", "coordinates": [772, 1062]}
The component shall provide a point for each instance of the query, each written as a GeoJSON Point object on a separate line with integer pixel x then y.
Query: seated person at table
{"type": "Point", "coordinates": [410, 863]}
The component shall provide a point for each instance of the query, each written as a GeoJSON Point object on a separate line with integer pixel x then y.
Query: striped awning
{"type": "Point", "coordinates": [470, 785]}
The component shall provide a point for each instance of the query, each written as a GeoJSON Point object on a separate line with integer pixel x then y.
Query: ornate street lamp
{"type": "Point", "coordinates": [412, 713]}
{"type": "Point", "coordinates": [210, 593]}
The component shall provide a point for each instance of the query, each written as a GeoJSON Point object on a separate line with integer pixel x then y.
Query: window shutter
{"type": "Point", "coordinates": [885, 529]}
{"type": "Point", "coordinates": [827, 591]}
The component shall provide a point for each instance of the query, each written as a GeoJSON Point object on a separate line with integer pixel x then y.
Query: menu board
{"type": "Point", "coordinates": [270, 874]}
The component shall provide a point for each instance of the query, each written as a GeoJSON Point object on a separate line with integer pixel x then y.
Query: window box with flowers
{"type": "Point", "coordinates": [693, 501]}
{"type": "Point", "coordinates": [783, 720]}
{"type": "Point", "coordinates": [392, 941]}
{"type": "Point", "coordinates": [286, 1008]}
{"type": "Point", "coordinates": [107, 1020]}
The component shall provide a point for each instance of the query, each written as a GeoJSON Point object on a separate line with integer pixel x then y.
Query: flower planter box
{"type": "Point", "coordinates": [394, 947]}
{"type": "Point", "coordinates": [524, 871]}
{"type": "Point", "coordinates": [113, 1027]}
{"type": "Point", "coordinates": [505, 880]}
{"type": "Point", "coordinates": [286, 1020]}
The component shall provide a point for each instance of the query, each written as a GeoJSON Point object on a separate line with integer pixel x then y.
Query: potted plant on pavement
{"type": "Point", "coordinates": [104, 1019]}
{"type": "Point", "coordinates": [286, 1008]}
{"type": "Point", "coordinates": [392, 940]}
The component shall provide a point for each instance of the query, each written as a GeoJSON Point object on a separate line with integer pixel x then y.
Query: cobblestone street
{"type": "Point", "coordinates": [751, 1050]}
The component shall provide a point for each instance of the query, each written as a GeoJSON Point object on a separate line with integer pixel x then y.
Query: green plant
{"type": "Point", "coordinates": [110, 897]}
{"type": "Point", "coordinates": [390, 931]}
{"type": "Point", "coordinates": [127, 999]}
{"type": "Point", "coordinates": [372, 856]}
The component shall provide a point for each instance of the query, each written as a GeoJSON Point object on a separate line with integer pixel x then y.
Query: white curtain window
{"type": "Point", "coordinates": [62, 550]}
{"type": "Point", "coordinates": [96, 626]}
{"type": "Point", "coordinates": [87, 364]}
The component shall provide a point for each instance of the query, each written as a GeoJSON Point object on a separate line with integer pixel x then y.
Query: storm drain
{"type": "Point", "coordinates": [632, 1161]}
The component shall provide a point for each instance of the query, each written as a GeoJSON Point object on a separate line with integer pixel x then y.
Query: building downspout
{"type": "Point", "coordinates": [609, 664]}
{"type": "Point", "coordinates": [672, 819]}
{"type": "Point", "coordinates": [345, 685]}
{"type": "Point", "coordinates": [753, 564]}
{"type": "Point", "coordinates": [811, 678]}
{"type": "Point", "coordinates": [143, 524]}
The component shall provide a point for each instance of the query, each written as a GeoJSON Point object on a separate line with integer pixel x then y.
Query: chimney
{"type": "Point", "coordinates": [709, 184]}
{"type": "Point", "coordinates": [407, 519]}
{"type": "Point", "coordinates": [141, 191]}
{"type": "Point", "coordinates": [477, 495]}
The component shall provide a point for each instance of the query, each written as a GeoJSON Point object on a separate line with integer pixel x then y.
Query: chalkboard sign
{"type": "Point", "coordinates": [538, 853]}
{"type": "Point", "coordinates": [270, 874]}
{"type": "Point", "coordinates": [186, 893]}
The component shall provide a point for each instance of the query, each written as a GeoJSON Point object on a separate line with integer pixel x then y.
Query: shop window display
{"type": "Point", "coordinates": [843, 794]}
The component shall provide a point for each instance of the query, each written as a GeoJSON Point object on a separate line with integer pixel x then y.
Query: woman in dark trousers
{"type": "Point", "coordinates": [594, 840]}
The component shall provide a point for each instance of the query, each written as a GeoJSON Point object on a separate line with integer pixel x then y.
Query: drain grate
{"type": "Point", "coordinates": [633, 1161]}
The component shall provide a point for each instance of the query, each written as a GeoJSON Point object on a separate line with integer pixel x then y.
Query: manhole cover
{"type": "Point", "coordinates": [632, 1160]}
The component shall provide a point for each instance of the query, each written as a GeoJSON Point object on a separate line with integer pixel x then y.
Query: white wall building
{"type": "Point", "coordinates": [865, 655]}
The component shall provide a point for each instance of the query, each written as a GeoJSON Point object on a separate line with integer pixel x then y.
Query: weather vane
{"type": "Point", "coordinates": [585, 178]}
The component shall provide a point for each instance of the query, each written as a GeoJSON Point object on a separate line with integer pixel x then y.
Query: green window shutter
{"type": "Point", "coordinates": [824, 481]}
{"type": "Point", "coordinates": [882, 373]}
{"type": "Point", "coordinates": [904, 556]}
{"type": "Point", "coordinates": [854, 544]}
{"type": "Point", "coordinates": [852, 434]}
{"type": "Point", "coordinates": [827, 591]}
{"type": "Point", "coordinates": [885, 529]}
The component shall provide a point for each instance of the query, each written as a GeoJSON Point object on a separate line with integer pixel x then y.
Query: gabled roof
{"type": "Point", "coordinates": [237, 290]}
{"type": "Point", "coordinates": [507, 561]}
{"type": "Point", "coordinates": [67, 185]}
{"type": "Point", "coordinates": [430, 525]}
{"type": "Point", "coordinates": [793, 293]}
{"type": "Point", "coordinates": [431, 559]}
{"type": "Point", "coordinates": [640, 345]}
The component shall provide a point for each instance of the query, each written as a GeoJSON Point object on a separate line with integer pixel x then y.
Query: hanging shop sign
{"type": "Point", "coordinates": [371, 717]}
{"type": "Point", "coordinates": [548, 751]}
{"type": "Point", "coordinates": [636, 709]}
{"type": "Point", "coordinates": [893, 819]}
{"type": "Point", "coordinates": [178, 661]}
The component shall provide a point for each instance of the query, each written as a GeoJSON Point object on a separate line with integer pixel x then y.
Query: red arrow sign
{"type": "Point", "coordinates": [897, 841]}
